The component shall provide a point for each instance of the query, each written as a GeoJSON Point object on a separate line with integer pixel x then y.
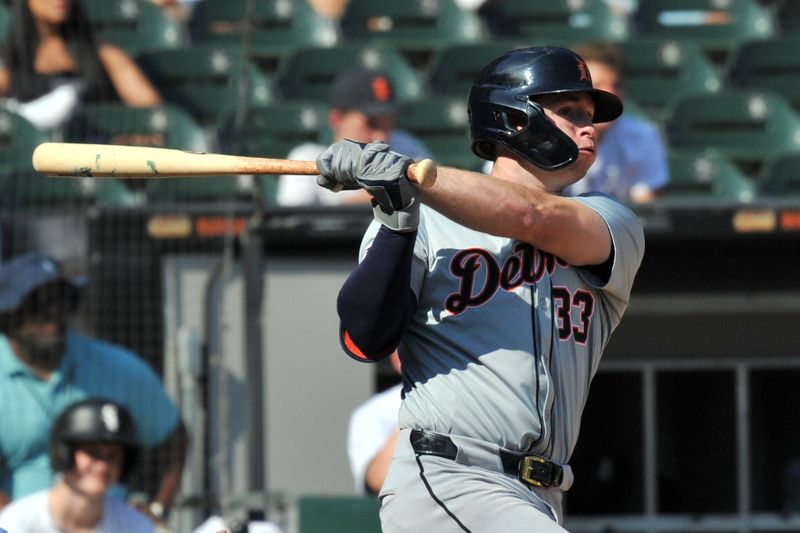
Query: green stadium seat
{"type": "Point", "coordinates": [749, 127]}
{"type": "Point", "coordinates": [772, 64]}
{"type": "Point", "coordinates": [706, 175]}
{"type": "Point", "coordinates": [787, 13]}
{"type": "Point", "coordinates": [5, 20]}
{"type": "Point", "coordinates": [338, 514]}
{"type": "Point", "coordinates": [557, 22]}
{"type": "Point", "coordinates": [307, 74]}
{"type": "Point", "coordinates": [657, 71]}
{"type": "Point", "coordinates": [206, 80]}
{"type": "Point", "coordinates": [780, 177]}
{"type": "Point", "coordinates": [268, 28]}
{"type": "Point", "coordinates": [207, 190]}
{"type": "Point", "coordinates": [164, 126]}
{"type": "Point", "coordinates": [134, 25]}
{"type": "Point", "coordinates": [715, 27]}
{"type": "Point", "coordinates": [18, 139]}
{"type": "Point", "coordinates": [23, 189]}
{"type": "Point", "coordinates": [415, 28]}
{"type": "Point", "coordinates": [632, 107]}
{"type": "Point", "coordinates": [273, 131]}
{"type": "Point", "coordinates": [453, 69]}
{"type": "Point", "coordinates": [443, 125]}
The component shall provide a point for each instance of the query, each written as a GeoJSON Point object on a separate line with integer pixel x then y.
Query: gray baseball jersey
{"type": "Point", "coordinates": [506, 338]}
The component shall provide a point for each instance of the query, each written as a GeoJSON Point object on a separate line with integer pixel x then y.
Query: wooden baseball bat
{"type": "Point", "coordinates": [120, 161]}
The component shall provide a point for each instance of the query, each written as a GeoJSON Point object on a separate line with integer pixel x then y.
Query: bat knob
{"type": "Point", "coordinates": [423, 173]}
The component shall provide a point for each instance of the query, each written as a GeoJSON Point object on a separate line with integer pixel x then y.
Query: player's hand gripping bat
{"type": "Point", "coordinates": [118, 161]}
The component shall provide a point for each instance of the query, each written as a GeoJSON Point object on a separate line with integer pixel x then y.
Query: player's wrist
{"type": "Point", "coordinates": [403, 221]}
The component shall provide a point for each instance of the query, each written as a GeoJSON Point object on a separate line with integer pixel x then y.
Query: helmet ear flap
{"type": "Point", "coordinates": [528, 133]}
{"type": "Point", "coordinates": [62, 455]}
{"type": "Point", "coordinates": [546, 146]}
{"type": "Point", "coordinates": [129, 462]}
{"type": "Point", "coordinates": [485, 150]}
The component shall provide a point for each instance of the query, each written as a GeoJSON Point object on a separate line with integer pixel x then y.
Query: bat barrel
{"type": "Point", "coordinates": [118, 161]}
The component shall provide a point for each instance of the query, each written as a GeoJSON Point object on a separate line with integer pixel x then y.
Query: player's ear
{"type": "Point", "coordinates": [335, 117]}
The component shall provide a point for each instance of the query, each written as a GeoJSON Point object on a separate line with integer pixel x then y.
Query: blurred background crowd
{"type": "Point", "coordinates": [714, 80]}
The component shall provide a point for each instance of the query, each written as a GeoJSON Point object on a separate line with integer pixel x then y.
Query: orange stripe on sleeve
{"type": "Point", "coordinates": [352, 348]}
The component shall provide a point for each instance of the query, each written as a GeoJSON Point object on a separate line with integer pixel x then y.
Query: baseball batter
{"type": "Point", "coordinates": [500, 293]}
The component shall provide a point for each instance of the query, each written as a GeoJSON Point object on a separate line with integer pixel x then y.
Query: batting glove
{"type": "Point", "coordinates": [338, 165]}
{"type": "Point", "coordinates": [379, 171]}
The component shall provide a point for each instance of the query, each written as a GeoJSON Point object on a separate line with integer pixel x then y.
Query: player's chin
{"type": "Point", "coordinates": [586, 157]}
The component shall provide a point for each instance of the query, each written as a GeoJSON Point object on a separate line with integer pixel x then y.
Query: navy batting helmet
{"type": "Point", "coordinates": [93, 420]}
{"type": "Point", "coordinates": [503, 97]}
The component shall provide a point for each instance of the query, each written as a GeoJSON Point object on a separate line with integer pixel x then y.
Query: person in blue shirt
{"type": "Point", "coordinates": [631, 160]}
{"type": "Point", "coordinates": [46, 364]}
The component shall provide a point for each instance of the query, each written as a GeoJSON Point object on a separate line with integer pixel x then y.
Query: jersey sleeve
{"type": "Point", "coordinates": [375, 302]}
{"type": "Point", "coordinates": [627, 238]}
{"type": "Point", "coordinates": [419, 265]}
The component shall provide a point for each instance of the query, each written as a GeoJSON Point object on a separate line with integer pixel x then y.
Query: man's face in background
{"type": "Point", "coordinates": [605, 78]}
{"type": "Point", "coordinates": [357, 126]}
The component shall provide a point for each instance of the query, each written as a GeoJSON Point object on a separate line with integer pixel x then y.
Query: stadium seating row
{"type": "Point", "coordinates": [272, 27]}
{"type": "Point", "coordinates": [263, 94]}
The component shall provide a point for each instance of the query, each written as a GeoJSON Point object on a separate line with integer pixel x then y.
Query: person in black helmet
{"type": "Point", "coordinates": [47, 363]}
{"type": "Point", "coordinates": [500, 293]}
{"type": "Point", "coordinates": [93, 445]}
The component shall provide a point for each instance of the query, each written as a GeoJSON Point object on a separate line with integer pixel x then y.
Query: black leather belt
{"type": "Point", "coordinates": [534, 470]}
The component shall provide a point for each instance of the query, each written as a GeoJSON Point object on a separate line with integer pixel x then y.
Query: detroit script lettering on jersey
{"type": "Point", "coordinates": [526, 266]}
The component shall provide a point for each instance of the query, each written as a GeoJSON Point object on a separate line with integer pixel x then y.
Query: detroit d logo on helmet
{"type": "Point", "coordinates": [110, 417]}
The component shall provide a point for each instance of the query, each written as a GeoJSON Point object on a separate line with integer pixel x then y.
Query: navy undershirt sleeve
{"type": "Point", "coordinates": [376, 302]}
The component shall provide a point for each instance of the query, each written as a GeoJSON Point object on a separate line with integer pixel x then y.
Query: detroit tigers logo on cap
{"type": "Point", "coordinates": [584, 72]}
{"type": "Point", "coordinates": [381, 89]}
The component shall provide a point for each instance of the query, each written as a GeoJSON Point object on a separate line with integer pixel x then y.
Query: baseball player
{"type": "Point", "coordinates": [500, 293]}
{"type": "Point", "coordinates": [93, 444]}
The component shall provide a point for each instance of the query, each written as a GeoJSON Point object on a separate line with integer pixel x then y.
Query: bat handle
{"type": "Point", "coordinates": [422, 173]}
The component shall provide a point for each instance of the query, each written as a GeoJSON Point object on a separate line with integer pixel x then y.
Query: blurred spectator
{"type": "Point", "coordinates": [93, 445]}
{"type": "Point", "coordinates": [623, 7]}
{"type": "Point", "coordinates": [330, 9]}
{"type": "Point", "coordinates": [334, 9]}
{"type": "Point", "coordinates": [372, 435]}
{"type": "Point", "coordinates": [179, 10]}
{"type": "Point", "coordinates": [632, 157]}
{"type": "Point", "coordinates": [52, 63]}
{"type": "Point", "coordinates": [46, 365]}
{"type": "Point", "coordinates": [362, 108]}
{"type": "Point", "coordinates": [470, 5]}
